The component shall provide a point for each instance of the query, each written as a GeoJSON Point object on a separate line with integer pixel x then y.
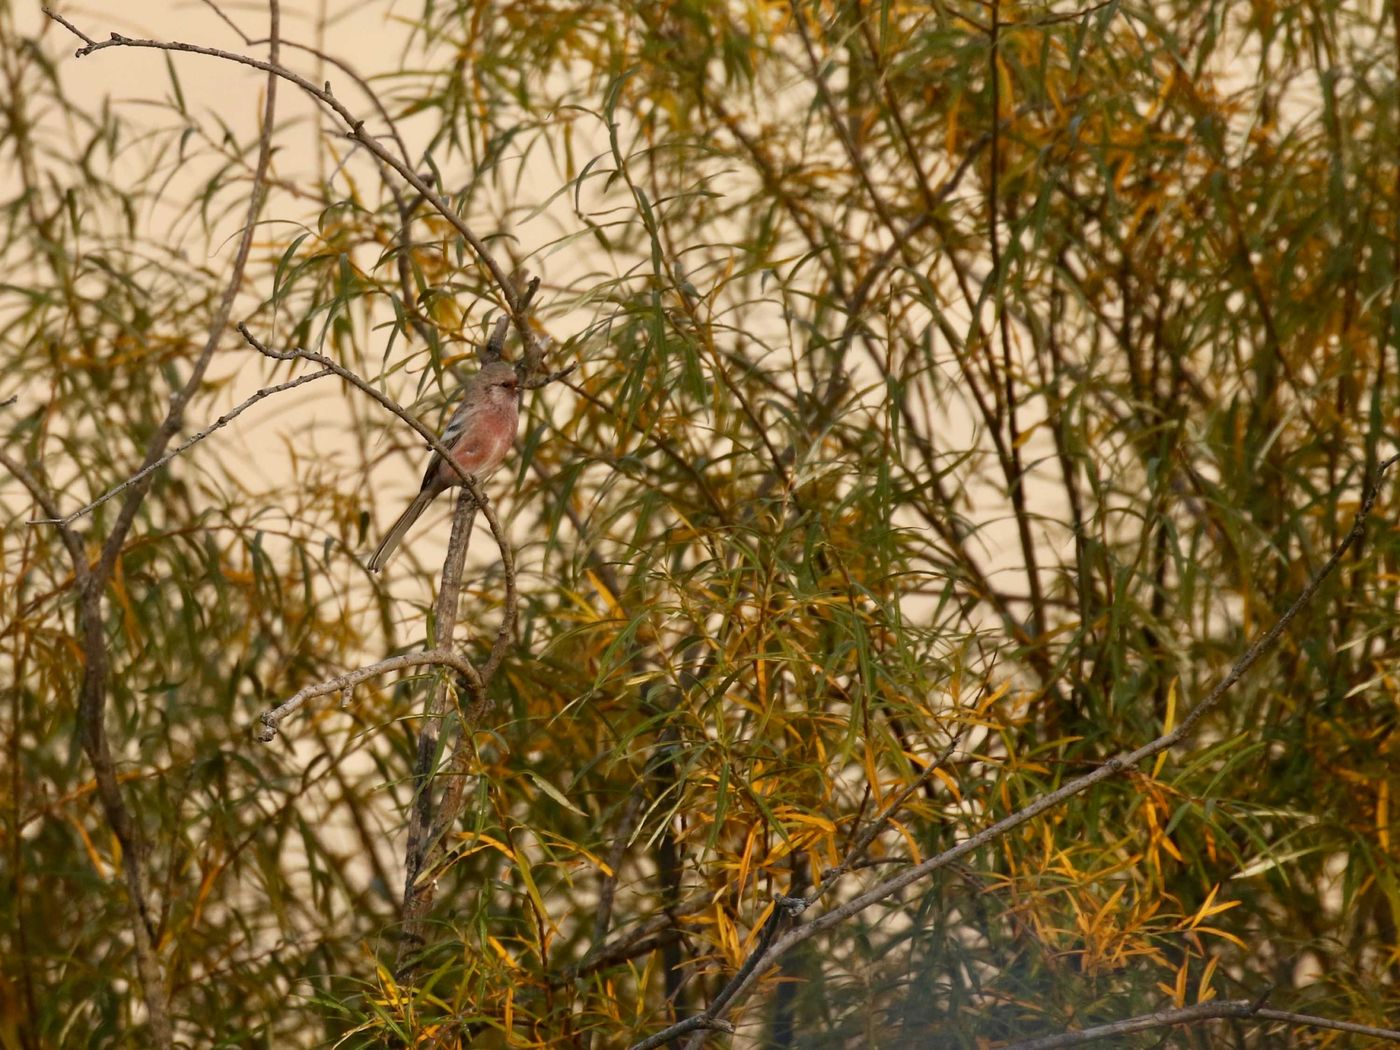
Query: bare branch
{"type": "Point", "coordinates": [1312, 1021]}
{"type": "Point", "coordinates": [70, 27]}
{"type": "Point", "coordinates": [1244, 1009]}
{"type": "Point", "coordinates": [270, 719]}
{"type": "Point", "coordinates": [699, 1023]}
{"type": "Point", "coordinates": [92, 698]}
{"type": "Point", "coordinates": [218, 424]}
{"type": "Point", "coordinates": [219, 12]}
{"type": "Point", "coordinates": [418, 896]}
{"type": "Point", "coordinates": [424, 431]}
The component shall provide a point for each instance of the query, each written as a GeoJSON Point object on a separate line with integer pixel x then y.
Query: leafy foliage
{"type": "Point", "coordinates": [960, 390]}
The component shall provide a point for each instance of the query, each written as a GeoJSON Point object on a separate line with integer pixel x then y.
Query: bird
{"type": "Point", "coordinates": [479, 435]}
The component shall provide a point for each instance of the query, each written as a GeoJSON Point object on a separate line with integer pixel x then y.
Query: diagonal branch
{"type": "Point", "coordinates": [1242, 1009]}
{"type": "Point", "coordinates": [45, 499]}
{"type": "Point", "coordinates": [218, 424]}
{"type": "Point", "coordinates": [360, 383]}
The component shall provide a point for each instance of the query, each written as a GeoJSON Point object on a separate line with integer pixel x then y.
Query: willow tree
{"type": "Point", "coordinates": [931, 597]}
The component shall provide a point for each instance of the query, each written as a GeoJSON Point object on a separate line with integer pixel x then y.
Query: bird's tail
{"type": "Point", "coordinates": [411, 514]}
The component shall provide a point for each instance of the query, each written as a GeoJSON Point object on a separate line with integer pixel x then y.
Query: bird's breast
{"type": "Point", "coordinates": [485, 440]}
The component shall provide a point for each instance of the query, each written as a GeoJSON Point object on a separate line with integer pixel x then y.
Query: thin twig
{"type": "Point", "coordinates": [270, 719]}
{"type": "Point", "coordinates": [1312, 1021]}
{"type": "Point", "coordinates": [219, 12]}
{"type": "Point", "coordinates": [1243, 1009]}
{"type": "Point", "coordinates": [70, 27]}
{"type": "Point", "coordinates": [362, 384]}
{"type": "Point", "coordinates": [150, 468]}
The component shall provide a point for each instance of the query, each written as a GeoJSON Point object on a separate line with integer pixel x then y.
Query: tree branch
{"type": "Point", "coordinates": [362, 384]}
{"type": "Point", "coordinates": [92, 698]}
{"type": "Point", "coordinates": [150, 468]}
{"type": "Point", "coordinates": [45, 499]}
{"type": "Point", "coordinates": [270, 719]}
{"type": "Point", "coordinates": [1243, 1009]}
{"type": "Point", "coordinates": [418, 897]}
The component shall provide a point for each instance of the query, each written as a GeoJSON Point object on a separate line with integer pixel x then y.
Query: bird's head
{"type": "Point", "coordinates": [498, 381]}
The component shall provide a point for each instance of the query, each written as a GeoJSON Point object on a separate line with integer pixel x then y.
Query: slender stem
{"type": "Point", "coordinates": [150, 468]}
{"type": "Point", "coordinates": [1238, 1008]}
{"type": "Point", "coordinates": [418, 895]}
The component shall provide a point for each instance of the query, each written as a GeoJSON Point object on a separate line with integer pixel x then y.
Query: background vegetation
{"type": "Point", "coordinates": [959, 389]}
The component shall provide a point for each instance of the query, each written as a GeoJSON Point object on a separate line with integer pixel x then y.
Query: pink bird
{"type": "Point", "coordinates": [479, 435]}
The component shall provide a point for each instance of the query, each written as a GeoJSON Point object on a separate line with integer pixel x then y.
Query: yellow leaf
{"type": "Point", "coordinates": [1168, 724]}
{"type": "Point", "coordinates": [1210, 908]}
{"type": "Point", "coordinates": [501, 951]}
{"type": "Point", "coordinates": [522, 865]}
{"type": "Point", "coordinates": [1221, 933]}
{"type": "Point", "coordinates": [747, 858]}
{"type": "Point", "coordinates": [948, 782]}
{"type": "Point", "coordinates": [813, 820]}
{"type": "Point", "coordinates": [92, 853]}
{"type": "Point", "coordinates": [728, 936]}
{"type": "Point", "coordinates": [757, 928]}
{"type": "Point", "coordinates": [484, 841]}
{"type": "Point", "coordinates": [605, 594]}
{"type": "Point", "coordinates": [1204, 992]}
{"type": "Point", "coordinates": [1179, 991]}
{"type": "Point", "coordinates": [1168, 845]}
{"type": "Point", "coordinates": [1383, 815]}
{"type": "Point", "coordinates": [914, 854]}
{"type": "Point", "coordinates": [987, 701]}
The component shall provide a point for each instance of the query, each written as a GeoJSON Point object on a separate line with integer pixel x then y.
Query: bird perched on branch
{"type": "Point", "coordinates": [478, 435]}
